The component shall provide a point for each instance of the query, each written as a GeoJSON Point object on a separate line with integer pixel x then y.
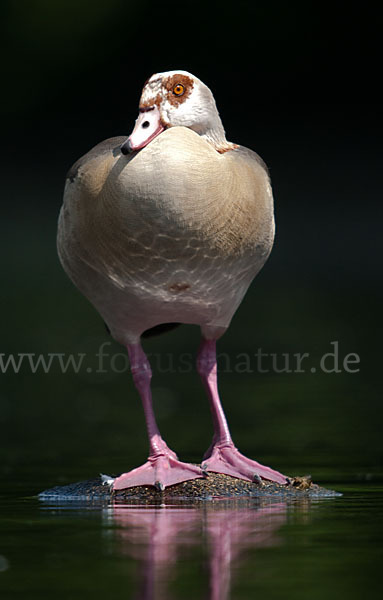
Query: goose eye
{"type": "Point", "coordinates": [178, 89]}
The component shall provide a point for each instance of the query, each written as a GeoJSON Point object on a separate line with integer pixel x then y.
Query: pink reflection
{"type": "Point", "coordinates": [158, 537]}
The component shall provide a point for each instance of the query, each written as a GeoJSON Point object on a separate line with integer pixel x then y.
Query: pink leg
{"type": "Point", "coordinates": [162, 468]}
{"type": "Point", "coordinates": [223, 456]}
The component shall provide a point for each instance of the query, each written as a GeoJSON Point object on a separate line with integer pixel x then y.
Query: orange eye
{"type": "Point", "coordinates": [178, 89]}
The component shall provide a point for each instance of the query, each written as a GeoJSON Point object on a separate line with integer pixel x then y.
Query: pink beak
{"type": "Point", "coordinates": [148, 126]}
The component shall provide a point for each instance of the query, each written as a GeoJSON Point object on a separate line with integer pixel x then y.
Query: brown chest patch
{"type": "Point", "coordinates": [170, 83]}
{"type": "Point", "coordinates": [176, 288]}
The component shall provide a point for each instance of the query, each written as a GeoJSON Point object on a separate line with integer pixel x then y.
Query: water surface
{"type": "Point", "coordinates": [216, 549]}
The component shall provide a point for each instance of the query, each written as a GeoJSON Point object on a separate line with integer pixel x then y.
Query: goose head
{"type": "Point", "coordinates": [176, 99]}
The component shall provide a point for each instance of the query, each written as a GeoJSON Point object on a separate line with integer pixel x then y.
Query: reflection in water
{"type": "Point", "coordinates": [159, 536]}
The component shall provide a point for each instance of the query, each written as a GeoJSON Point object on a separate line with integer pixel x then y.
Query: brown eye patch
{"type": "Point", "coordinates": [179, 88]}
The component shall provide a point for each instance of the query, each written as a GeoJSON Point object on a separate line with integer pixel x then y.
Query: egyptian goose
{"type": "Point", "coordinates": [170, 225]}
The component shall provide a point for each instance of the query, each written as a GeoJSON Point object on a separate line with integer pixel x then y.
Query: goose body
{"type": "Point", "coordinates": [171, 225]}
{"type": "Point", "coordinates": [175, 232]}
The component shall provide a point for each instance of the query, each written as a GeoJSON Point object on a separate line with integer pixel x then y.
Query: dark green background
{"type": "Point", "coordinates": [297, 83]}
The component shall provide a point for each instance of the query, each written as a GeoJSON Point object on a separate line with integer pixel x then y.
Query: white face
{"type": "Point", "coordinates": [170, 99]}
